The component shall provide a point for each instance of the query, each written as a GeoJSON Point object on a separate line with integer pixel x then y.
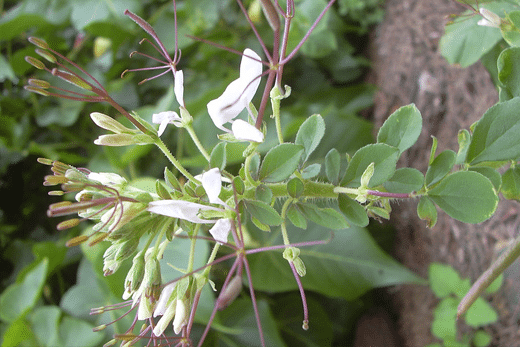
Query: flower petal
{"type": "Point", "coordinates": [227, 106]}
{"type": "Point", "coordinates": [212, 183]}
{"type": "Point", "coordinates": [242, 130]}
{"type": "Point", "coordinates": [220, 230]}
{"type": "Point", "coordinates": [165, 118]}
{"type": "Point", "coordinates": [178, 86]}
{"type": "Point", "coordinates": [162, 303]}
{"type": "Point", "coordinates": [180, 209]}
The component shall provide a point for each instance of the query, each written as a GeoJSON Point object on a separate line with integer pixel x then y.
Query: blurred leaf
{"type": "Point", "coordinates": [445, 319]}
{"type": "Point", "coordinates": [509, 73]}
{"type": "Point", "coordinates": [511, 183]}
{"type": "Point", "coordinates": [347, 267]}
{"type": "Point", "coordinates": [16, 333]}
{"type": "Point", "coordinates": [466, 196]}
{"type": "Point", "coordinates": [480, 313]}
{"type": "Point", "coordinates": [326, 217]}
{"type": "Point", "coordinates": [444, 280]}
{"type": "Point", "coordinates": [45, 322]}
{"type": "Point", "coordinates": [18, 298]}
{"type": "Point", "coordinates": [6, 72]}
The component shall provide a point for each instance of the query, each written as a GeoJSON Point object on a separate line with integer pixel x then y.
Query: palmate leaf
{"type": "Point", "coordinates": [347, 267]}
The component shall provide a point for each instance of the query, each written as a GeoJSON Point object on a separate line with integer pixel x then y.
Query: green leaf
{"type": "Point", "coordinates": [402, 128]}
{"type": "Point", "coordinates": [482, 339]}
{"type": "Point", "coordinates": [73, 330]}
{"type": "Point", "coordinates": [264, 193]}
{"type": "Point", "coordinates": [464, 42]}
{"type": "Point", "coordinates": [512, 36]}
{"type": "Point", "coordinates": [311, 171]}
{"type": "Point", "coordinates": [296, 217]}
{"type": "Point", "coordinates": [18, 298]}
{"type": "Point", "coordinates": [480, 313]}
{"type": "Point", "coordinates": [295, 187]}
{"type": "Point", "coordinates": [44, 322]}
{"type": "Point", "coordinates": [353, 211]}
{"type": "Point", "coordinates": [280, 162]}
{"type": "Point", "coordinates": [511, 183]}
{"type": "Point", "coordinates": [444, 280]}
{"type": "Point", "coordinates": [464, 139]}
{"type": "Point", "coordinates": [263, 212]}
{"type": "Point", "coordinates": [6, 72]}
{"type": "Point", "coordinates": [440, 167]}
{"type": "Point", "coordinates": [445, 319]}
{"type": "Point", "coordinates": [382, 155]}
{"type": "Point", "coordinates": [509, 73]}
{"type": "Point", "coordinates": [333, 166]}
{"type": "Point", "coordinates": [491, 175]}
{"type": "Point", "coordinates": [347, 267]}
{"type": "Point", "coordinates": [427, 211]}
{"type": "Point", "coordinates": [405, 180]}
{"type": "Point", "coordinates": [466, 196]}
{"type": "Point", "coordinates": [218, 156]}
{"type": "Point", "coordinates": [327, 217]}
{"type": "Point", "coordinates": [495, 286]}
{"type": "Point", "coordinates": [497, 134]}
{"type": "Point", "coordinates": [310, 134]}
{"type": "Point", "coordinates": [16, 333]}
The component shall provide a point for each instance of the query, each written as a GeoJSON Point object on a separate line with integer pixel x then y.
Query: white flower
{"type": "Point", "coordinates": [180, 209]}
{"type": "Point", "coordinates": [489, 19]}
{"type": "Point", "coordinates": [181, 316]}
{"type": "Point", "coordinates": [220, 230]}
{"type": "Point", "coordinates": [212, 184]}
{"type": "Point", "coordinates": [237, 96]}
{"type": "Point", "coordinates": [178, 87]}
{"type": "Point", "coordinates": [165, 118]}
{"type": "Point", "coordinates": [242, 130]}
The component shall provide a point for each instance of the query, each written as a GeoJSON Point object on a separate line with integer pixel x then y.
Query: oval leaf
{"type": "Point", "coordinates": [333, 166]}
{"type": "Point", "coordinates": [466, 196]}
{"type": "Point", "coordinates": [382, 155]}
{"type": "Point", "coordinates": [353, 211]}
{"type": "Point", "coordinates": [263, 212]}
{"type": "Point", "coordinates": [440, 167]}
{"type": "Point", "coordinates": [402, 128]}
{"type": "Point", "coordinates": [497, 134]}
{"type": "Point", "coordinates": [218, 156]}
{"type": "Point", "coordinates": [405, 180]}
{"type": "Point", "coordinates": [327, 217]}
{"type": "Point", "coordinates": [427, 211]}
{"type": "Point", "coordinates": [280, 162]}
{"type": "Point", "coordinates": [310, 134]}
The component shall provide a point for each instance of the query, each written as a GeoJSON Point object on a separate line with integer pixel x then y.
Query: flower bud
{"type": "Point", "coordinates": [230, 293]}
{"type": "Point", "coordinates": [181, 315]}
{"type": "Point", "coordinates": [108, 123]}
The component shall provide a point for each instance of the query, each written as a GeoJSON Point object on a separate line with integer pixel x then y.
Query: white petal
{"type": "Point", "coordinates": [227, 106]}
{"type": "Point", "coordinates": [165, 118]}
{"type": "Point", "coordinates": [106, 178]}
{"type": "Point", "coordinates": [180, 209]}
{"type": "Point", "coordinates": [212, 183]}
{"type": "Point", "coordinates": [181, 316]}
{"type": "Point", "coordinates": [166, 293]}
{"type": "Point", "coordinates": [250, 71]}
{"type": "Point", "coordinates": [178, 87]}
{"type": "Point", "coordinates": [242, 130]}
{"type": "Point", "coordinates": [220, 230]}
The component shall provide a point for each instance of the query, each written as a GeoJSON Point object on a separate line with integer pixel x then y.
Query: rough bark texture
{"type": "Point", "coordinates": [408, 68]}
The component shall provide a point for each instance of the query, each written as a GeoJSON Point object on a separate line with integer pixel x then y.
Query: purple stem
{"type": "Point", "coordinates": [302, 294]}
{"type": "Point", "coordinates": [389, 195]}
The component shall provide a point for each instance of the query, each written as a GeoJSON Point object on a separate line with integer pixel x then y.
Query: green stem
{"type": "Point", "coordinates": [197, 142]}
{"type": "Point", "coordinates": [283, 226]}
{"type": "Point", "coordinates": [160, 144]}
{"type": "Point", "coordinates": [275, 104]}
{"type": "Point", "coordinates": [212, 257]}
{"type": "Point", "coordinates": [192, 248]}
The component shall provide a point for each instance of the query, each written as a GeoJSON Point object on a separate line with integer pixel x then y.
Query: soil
{"type": "Point", "coordinates": [408, 68]}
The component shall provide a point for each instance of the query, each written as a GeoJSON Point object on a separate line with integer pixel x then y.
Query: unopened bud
{"type": "Point", "coordinates": [75, 241]}
{"type": "Point", "coordinates": [109, 123]}
{"type": "Point", "coordinates": [230, 293]}
{"type": "Point", "coordinates": [46, 55]}
{"type": "Point", "coordinates": [39, 83]}
{"type": "Point", "coordinates": [72, 79]}
{"type": "Point", "coordinates": [38, 42]}
{"type": "Point", "coordinates": [68, 224]}
{"type": "Point", "coordinates": [37, 90]}
{"type": "Point", "coordinates": [35, 62]}
{"type": "Point", "coordinates": [181, 315]}
{"type": "Point", "coordinates": [299, 265]}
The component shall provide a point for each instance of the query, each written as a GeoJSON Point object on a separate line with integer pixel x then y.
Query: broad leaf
{"type": "Point", "coordinates": [509, 73]}
{"type": "Point", "coordinates": [440, 167]}
{"type": "Point", "coordinates": [427, 211]}
{"type": "Point", "coordinates": [296, 217]}
{"type": "Point", "coordinates": [385, 159]}
{"type": "Point", "coordinates": [263, 212]}
{"type": "Point", "coordinates": [310, 134]}
{"type": "Point", "coordinates": [402, 128]}
{"type": "Point", "coordinates": [497, 134]}
{"type": "Point", "coordinates": [466, 196]}
{"type": "Point", "coordinates": [280, 162]}
{"type": "Point", "coordinates": [218, 156]}
{"type": "Point", "coordinates": [511, 183]}
{"type": "Point", "coordinates": [353, 211]}
{"type": "Point", "coordinates": [405, 180]}
{"type": "Point", "coordinates": [333, 166]}
{"type": "Point", "coordinates": [327, 217]}
{"type": "Point", "coordinates": [347, 267]}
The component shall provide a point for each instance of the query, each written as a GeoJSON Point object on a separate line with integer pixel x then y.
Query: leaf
{"type": "Point", "coordinates": [491, 175]}
{"type": "Point", "coordinates": [347, 267]}
{"type": "Point", "coordinates": [264, 193]}
{"type": "Point", "coordinates": [263, 212]}
{"type": "Point", "coordinates": [427, 211]}
{"type": "Point", "coordinates": [327, 217]}
{"type": "Point", "coordinates": [465, 42]}
{"type": "Point", "coordinates": [280, 162]}
{"type": "Point", "coordinates": [18, 298]}
{"type": "Point", "coordinates": [311, 171]}
{"type": "Point", "coordinates": [482, 339]}
{"type": "Point", "coordinates": [218, 156]}
{"type": "Point", "coordinates": [295, 187]}
{"type": "Point", "coordinates": [444, 319]}
{"type": "Point", "coordinates": [444, 280]}
{"type": "Point", "coordinates": [310, 134]}
{"type": "Point", "coordinates": [405, 180]}
{"type": "Point", "coordinates": [440, 167]}
{"type": "Point", "coordinates": [466, 196]}
{"type": "Point", "coordinates": [511, 183]}
{"type": "Point", "coordinates": [480, 313]}
{"type": "Point", "coordinates": [333, 166]}
{"type": "Point", "coordinates": [402, 128]}
{"type": "Point", "coordinates": [385, 159]}
{"type": "Point", "coordinates": [496, 136]}
{"type": "Point", "coordinates": [73, 330]}
{"type": "Point", "coordinates": [353, 211]}
{"type": "Point", "coordinates": [509, 73]}
{"type": "Point", "coordinates": [296, 217]}
{"type": "Point", "coordinates": [44, 322]}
